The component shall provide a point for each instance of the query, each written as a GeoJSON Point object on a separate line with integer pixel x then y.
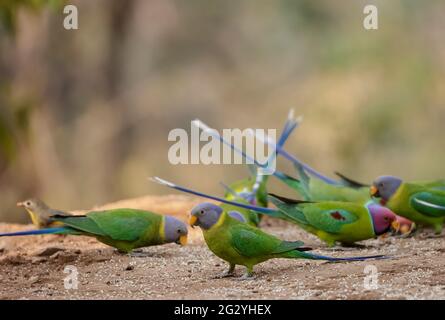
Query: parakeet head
{"type": "Point", "coordinates": [175, 231]}
{"type": "Point", "coordinates": [33, 205]}
{"type": "Point", "coordinates": [382, 218]}
{"type": "Point", "coordinates": [385, 186]}
{"type": "Point", "coordinates": [205, 215]}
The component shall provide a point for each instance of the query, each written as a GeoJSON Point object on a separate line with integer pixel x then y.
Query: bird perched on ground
{"type": "Point", "coordinates": [331, 221]}
{"type": "Point", "coordinates": [241, 244]}
{"type": "Point", "coordinates": [41, 214]}
{"type": "Point", "coordinates": [123, 229]}
{"type": "Point", "coordinates": [422, 202]}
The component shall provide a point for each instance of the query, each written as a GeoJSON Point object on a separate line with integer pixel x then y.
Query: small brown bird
{"type": "Point", "coordinates": [41, 214]}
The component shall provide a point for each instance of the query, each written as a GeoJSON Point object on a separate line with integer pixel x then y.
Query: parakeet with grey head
{"type": "Point", "coordinates": [123, 229]}
{"type": "Point", "coordinates": [238, 243]}
{"type": "Point", "coordinates": [421, 202]}
{"type": "Point", "coordinates": [41, 214]}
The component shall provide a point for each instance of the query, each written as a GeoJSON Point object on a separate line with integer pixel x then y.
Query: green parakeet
{"type": "Point", "coordinates": [241, 244]}
{"type": "Point", "coordinates": [123, 229]}
{"type": "Point", "coordinates": [422, 202]}
{"type": "Point", "coordinates": [331, 221]}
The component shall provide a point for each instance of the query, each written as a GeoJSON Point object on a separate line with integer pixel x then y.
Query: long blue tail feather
{"type": "Point", "coordinates": [289, 127]}
{"type": "Point", "coordinates": [200, 194]}
{"type": "Point", "coordinates": [34, 232]}
{"type": "Point", "coordinates": [321, 257]}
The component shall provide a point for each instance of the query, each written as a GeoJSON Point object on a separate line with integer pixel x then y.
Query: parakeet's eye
{"type": "Point", "coordinates": [28, 203]}
{"type": "Point", "coordinates": [201, 212]}
{"type": "Point", "coordinates": [178, 231]}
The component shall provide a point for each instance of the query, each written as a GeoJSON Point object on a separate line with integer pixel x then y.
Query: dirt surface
{"type": "Point", "coordinates": [33, 267]}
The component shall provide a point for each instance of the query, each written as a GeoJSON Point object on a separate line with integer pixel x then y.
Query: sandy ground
{"type": "Point", "coordinates": [33, 267]}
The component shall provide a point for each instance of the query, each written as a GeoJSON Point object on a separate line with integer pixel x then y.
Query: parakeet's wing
{"type": "Point", "coordinates": [119, 224]}
{"type": "Point", "coordinates": [430, 203]}
{"type": "Point", "coordinates": [252, 242]}
{"type": "Point", "coordinates": [81, 223]}
{"type": "Point", "coordinates": [329, 220]}
{"type": "Point", "coordinates": [126, 224]}
{"type": "Point", "coordinates": [325, 217]}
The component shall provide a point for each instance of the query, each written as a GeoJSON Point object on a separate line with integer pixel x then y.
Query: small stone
{"type": "Point", "coordinates": [37, 260]}
{"type": "Point", "coordinates": [48, 251]}
{"type": "Point", "coordinates": [129, 268]}
{"type": "Point", "coordinates": [63, 257]}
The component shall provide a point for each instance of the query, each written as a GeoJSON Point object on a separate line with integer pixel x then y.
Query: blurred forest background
{"type": "Point", "coordinates": [85, 114]}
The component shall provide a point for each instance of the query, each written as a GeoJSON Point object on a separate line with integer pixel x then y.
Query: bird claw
{"type": "Point", "coordinates": [225, 274]}
{"type": "Point", "coordinates": [139, 254]}
{"type": "Point", "coordinates": [246, 276]}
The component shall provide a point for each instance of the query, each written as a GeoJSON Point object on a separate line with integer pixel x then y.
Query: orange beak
{"type": "Point", "coordinates": [20, 204]}
{"type": "Point", "coordinates": [183, 240]}
{"type": "Point", "coordinates": [374, 190]}
{"type": "Point", "coordinates": [395, 225]}
{"type": "Point", "coordinates": [193, 220]}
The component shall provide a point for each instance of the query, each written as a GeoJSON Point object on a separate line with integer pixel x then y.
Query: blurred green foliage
{"type": "Point", "coordinates": [9, 10]}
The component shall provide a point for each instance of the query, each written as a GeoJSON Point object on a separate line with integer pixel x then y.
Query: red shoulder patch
{"type": "Point", "coordinates": [337, 216]}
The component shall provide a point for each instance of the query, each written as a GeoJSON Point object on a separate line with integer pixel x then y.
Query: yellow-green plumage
{"type": "Point", "coordinates": [416, 202]}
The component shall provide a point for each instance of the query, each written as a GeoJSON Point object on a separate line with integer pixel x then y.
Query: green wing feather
{"type": "Point", "coordinates": [125, 224]}
{"type": "Point", "coordinates": [430, 203]}
{"type": "Point", "coordinates": [329, 220]}
{"type": "Point", "coordinates": [326, 217]}
{"type": "Point", "coordinates": [252, 242]}
{"type": "Point", "coordinates": [81, 223]}
{"type": "Point", "coordinates": [290, 210]}
{"type": "Point", "coordinates": [118, 224]}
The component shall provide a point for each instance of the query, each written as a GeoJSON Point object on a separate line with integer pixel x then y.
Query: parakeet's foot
{"type": "Point", "coordinates": [139, 254]}
{"type": "Point", "coordinates": [224, 274]}
{"type": "Point", "coordinates": [227, 273]}
{"type": "Point", "coordinates": [246, 276]}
